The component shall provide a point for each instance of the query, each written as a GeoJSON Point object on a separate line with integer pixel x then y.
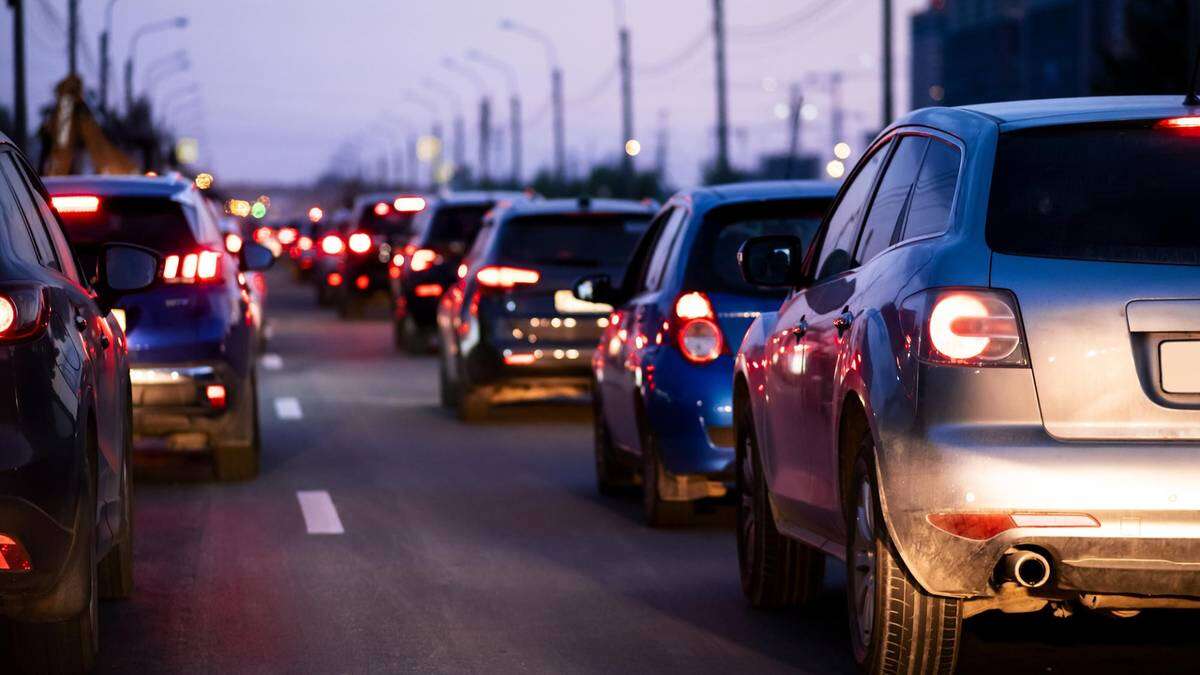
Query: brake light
{"type": "Point", "coordinates": [76, 204]}
{"type": "Point", "coordinates": [359, 242]}
{"type": "Point", "coordinates": [422, 259]}
{"type": "Point", "coordinates": [462, 271]}
{"type": "Point", "coordinates": [409, 204]}
{"type": "Point", "coordinates": [1180, 123]}
{"type": "Point", "coordinates": [304, 243]}
{"type": "Point", "coordinates": [13, 556]}
{"type": "Point", "coordinates": [975, 327]}
{"type": "Point", "coordinates": [287, 236]}
{"type": "Point", "coordinates": [496, 276]}
{"type": "Point", "coordinates": [190, 268]}
{"type": "Point", "coordinates": [331, 244]}
{"type": "Point", "coordinates": [984, 526]}
{"type": "Point", "coordinates": [22, 313]}
{"type": "Point", "coordinates": [334, 279]}
{"type": "Point", "coordinates": [362, 282]}
{"type": "Point", "coordinates": [697, 333]}
{"type": "Point", "coordinates": [382, 209]}
{"type": "Point", "coordinates": [428, 290]}
{"type": "Point", "coordinates": [233, 243]}
{"type": "Point", "coordinates": [262, 234]}
{"type": "Point", "coordinates": [215, 393]}
{"type": "Point", "coordinates": [519, 359]}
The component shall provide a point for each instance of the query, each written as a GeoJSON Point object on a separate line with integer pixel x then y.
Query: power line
{"type": "Point", "coordinates": [597, 89]}
{"type": "Point", "coordinates": [689, 51]}
{"type": "Point", "coordinates": [784, 24]}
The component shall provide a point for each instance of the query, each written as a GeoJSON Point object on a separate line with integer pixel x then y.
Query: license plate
{"type": "Point", "coordinates": [565, 302]}
{"type": "Point", "coordinates": [119, 315]}
{"type": "Point", "coordinates": [1179, 361]}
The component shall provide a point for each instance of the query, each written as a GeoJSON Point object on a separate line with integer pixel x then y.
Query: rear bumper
{"type": "Point", "coordinates": [690, 411]}
{"type": "Point", "coordinates": [48, 544]}
{"type": "Point", "coordinates": [171, 410]}
{"type": "Point", "coordinates": [556, 370]}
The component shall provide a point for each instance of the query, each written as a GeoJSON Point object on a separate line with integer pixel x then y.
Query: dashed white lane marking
{"type": "Point", "coordinates": [271, 361]}
{"type": "Point", "coordinates": [320, 515]}
{"type": "Point", "coordinates": [288, 409]}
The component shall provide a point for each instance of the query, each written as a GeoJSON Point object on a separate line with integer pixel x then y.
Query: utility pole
{"type": "Point", "coordinates": [485, 139]}
{"type": "Point", "coordinates": [794, 123]}
{"type": "Point", "coordinates": [722, 167]}
{"type": "Point", "coordinates": [838, 113]}
{"type": "Point", "coordinates": [73, 36]}
{"type": "Point", "coordinates": [20, 108]}
{"type": "Point", "coordinates": [663, 145]}
{"type": "Point", "coordinates": [626, 65]}
{"type": "Point", "coordinates": [888, 108]}
{"type": "Point", "coordinates": [105, 58]}
{"type": "Point", "coordinates": [435, 164]}
{"type": "Point", "coordinates": [560, 152]}
{"type": "Point", "coordinates": [515, 108]}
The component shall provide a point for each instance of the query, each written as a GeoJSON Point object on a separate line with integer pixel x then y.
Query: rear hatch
{"type": "Point", "coordinates": [449, 232]}
{"type": "Point", "coordinates": [1096, 230]}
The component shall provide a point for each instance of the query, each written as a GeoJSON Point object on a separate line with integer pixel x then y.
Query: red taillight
{"type": "Point", "coordinates": [233, 243]}
{"type": "Point", "coordinates": [422, 259]}
{"type": "Point", "coordinates": [1180, 123]}
{"type": "Point", "coordinates": [262, 235]}
{"type": "Point", "coordinates": [519, 359]}
{"type": "Point", "coordinates": [462, 271]}
{"type": "Point", "coordinates": [304, 243]}
{"type": "Point", "coordinates": [362, 282]}
{"type": "Point", "coordinates": [409, 204]}
{"type": "Point", "coordinates": [215, 393]}
{"type": "Point", "coordinates": [334, 279]}
{"type": "Point", "coordinates": [76, 203]}
{"type": "Point", "coordinates": [359, 242]}
{"type": "Point", "coordinates": [697, 333]}
{"type": "Point", "coordinates": [428, 290]}
{"type": "Point", "coordinates": [287, 236]}
{"type": "Point", "coordinates": [496, 276]}
{"type": "Point", "coordinates": [188, 268]}
{"type": "Point", "coordinates": [968, 327]}
{"type": "Point", "coordinates": [393, 272]}
{"type": "Point", "coordinates": [984, 526]}
{"type": "Point", "coordinates": [382, 209]}
{"type": "Point", "coordinates": [13, 556]}
{"type": "Point", "coordinates": [331, 244]}
{"type": "Point", "coordinates": [22, 313]}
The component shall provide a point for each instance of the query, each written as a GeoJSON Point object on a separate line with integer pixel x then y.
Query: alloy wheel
{"type": "Point", "coordinates": [862, 568]}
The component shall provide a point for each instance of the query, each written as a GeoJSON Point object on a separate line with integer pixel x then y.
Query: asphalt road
{"type": "Point", "coordinates": [477, 549]}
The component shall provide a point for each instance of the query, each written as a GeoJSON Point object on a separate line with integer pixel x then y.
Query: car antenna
{"type": "Point", "coordinates": [1193, 96]}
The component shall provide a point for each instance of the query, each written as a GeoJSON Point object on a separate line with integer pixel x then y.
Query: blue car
{"type": "Point", "coordinates": [192, 338]}
{"type": "Point", "coordinates": [662, 396]}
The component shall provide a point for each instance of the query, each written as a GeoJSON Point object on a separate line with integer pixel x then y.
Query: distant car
{"type": "Point", "coordinates": [192, 339]}
{"type": "Point", "coordinates": [662, 370]}
{"type": "Point", "coordinates": [252, 281]}
{"type": "Point", "coordinates": [511, 330]}
{"type": "Point", "coordinates": [304, 253]}
{"type": "Point", "coordinates": [379, 224]}
{"type": "Point", "coordinates": [66, 528]}
{"type": "Point", "coordinates": [982, 391]}
{"type": "Point", "coordinates": [329, 248]}
{"type": "Point", "coordinates": [428, 264]}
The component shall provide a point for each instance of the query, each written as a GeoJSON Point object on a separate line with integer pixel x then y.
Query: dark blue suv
{"type": "Point", "coordinates": [192, 339]}
{"type": "Point", "coordinates": [664, 365]}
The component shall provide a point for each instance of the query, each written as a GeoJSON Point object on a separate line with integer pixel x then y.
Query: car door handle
{"type": "Point", "coordinates": [800, 329]}
{"type": "Point", "coordinates": [842, 322]}
{"type": "Point", "coordinates": [81, 322]}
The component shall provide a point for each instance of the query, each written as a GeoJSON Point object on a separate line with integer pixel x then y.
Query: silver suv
{"type": "Point", "coordinates": [983, 391]}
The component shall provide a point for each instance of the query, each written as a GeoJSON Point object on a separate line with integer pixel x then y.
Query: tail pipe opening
{"type": "Point", "coordinates": [1028, 568]}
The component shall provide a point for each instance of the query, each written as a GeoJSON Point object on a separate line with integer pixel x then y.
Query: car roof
{"type": "Point", "coordinates": [472, 197]}
{"type": "Point", "coordinates": [1047, 112]}
{"type": "Point", "coordinates": [119, 186]}
{"type": "Point", "coordinates": [549, 207]}
{"type": "Point", "coordinates": [368, 197]}
{"type": "Point", "coordinates": [762, 190]}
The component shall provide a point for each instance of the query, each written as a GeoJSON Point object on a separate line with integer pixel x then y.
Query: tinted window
{"type": "Point", "coordinates": [1125, 194]}
{"type": "Point", "coordinates": [835, 256]}
{"type": "Point", "coordinates": [712, 264]}
{"type": "Point", "coordinates": [929, 212]}
{"type": "Point", "coordinates": [41, 240]}
{"type": "Point", "coordinates": [666, 237]}
{"type": "Point", "coordinates": [455, 227]}
{"type": "Point", "coordinates": [393, 223]}
{"type": "Point", "coordinates": [154, 222]}
{"type": "Point", "coordinates": [891, 197]}
{"type": "Point", "coordinates": [13, 221]}
{"type": "Point", "coordinates": [576, 240]}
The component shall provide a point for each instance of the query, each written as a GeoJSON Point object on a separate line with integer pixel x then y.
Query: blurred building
{"type": "Point", "coordinates": [971, 51]}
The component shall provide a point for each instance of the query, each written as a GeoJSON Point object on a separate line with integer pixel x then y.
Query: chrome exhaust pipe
{"type": "Point", "coordinates": [1028, 568]}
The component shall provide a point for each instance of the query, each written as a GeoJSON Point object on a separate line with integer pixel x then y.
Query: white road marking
{"type": "Point", "coordinates": [271, 361]}
{"type": "Point", "coordinates": [288, 409]}
{"type": "Point", "coordinates": [320, 515]}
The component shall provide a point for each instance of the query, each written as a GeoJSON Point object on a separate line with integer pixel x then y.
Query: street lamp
{"type": "Point", "coordinates": [178, 22]}
{"type": "Point", "coordinates": [510, 74]}
{"type": "Point", "coordinates": [428, 150]}
{"type": "Point", "coordinates": [485, 112]}
{"type": "Point", "coordinates": [456, 104]}
{"type": "Point", "coordinates": [556, 90]}
{"type": "Point", "coordinates": [105, 66]}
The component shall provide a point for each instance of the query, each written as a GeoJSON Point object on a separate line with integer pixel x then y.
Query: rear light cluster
{"type": "Point", "coordinates": [422, 259]}
{"type": "Point", "coordinates": [75, 204]}
{"type": "Point", "coordinates": [190, 268]}
{"type": "Point", "coordinates": [967, 327]}
{"type": "Point", "coordinates": [984, 526]}
{"type": "Point", "coordinates": [262, 235]}
{"type": "Point", "coordinates": [233, 243]}
{"type": "Point", "coordinates": [13, 556]}
{"type": "Point", "coordinates": [359, 242]}
{"type": "Point", "coordinates": [216, 396]}
{"type": "Point", "coordinates": [695, 325]}
{"type": "Point", "coordinates": [287, 236]}
{"type": "Point", "coordinates": [499, 276]}
{"type": "Point", "coordinates": [22, 313]}
{"type": "Point", "coordinates": [331, 244]}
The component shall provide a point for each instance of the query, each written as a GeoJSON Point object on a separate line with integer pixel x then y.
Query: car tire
{"type": "Point", "coordinates": [413, 337]}
{"type": "Point", "coordinates": [239, 461]}
{"type": "Point", "coordinates": [658, 511]}
{"type": "Point", "coordinates": [115, 580]}
{"type": "Point", "coordinates": [474, 405]}
{"type": "Point", "coordinates": [776, 571]}
{"type": "Point", "coordinates": [612, 478]}
{"type": "Point", "coordinates": [895, 626]}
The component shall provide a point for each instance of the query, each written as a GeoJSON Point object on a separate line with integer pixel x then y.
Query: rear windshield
{"type": "Point", "coordinates": [1109, 193]}
{"type": "Point", "coordinates": [574, 240]}
{"type": "Point", "coordinates": [392, 223]}
{"type": "Point", "coordinates": [456, 226]}
{"type": "Point", "coordinates": [160, 224]}
{"type": "Point", "coordinates": [712, 265]}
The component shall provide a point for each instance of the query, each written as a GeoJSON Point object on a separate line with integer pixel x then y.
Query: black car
{"type": "Point", "coordinates": [428, 265]}
{"type": "Point", "coordinates": [512, 330]}
{"type": "Point", "coordinates": [379, 224]}
{"type": "Point", "coordinates": [66, 536]}
{"type": "Point", "coordinates": [193, 339]}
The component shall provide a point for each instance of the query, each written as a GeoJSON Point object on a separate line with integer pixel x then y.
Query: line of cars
{"type": "Point", "coordinates": [123, 322]}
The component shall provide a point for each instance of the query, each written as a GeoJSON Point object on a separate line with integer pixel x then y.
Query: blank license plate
{"type": "Point", "coordinates": [565, 302]}
{"type": "Point", "coordinates": [1180, 364]}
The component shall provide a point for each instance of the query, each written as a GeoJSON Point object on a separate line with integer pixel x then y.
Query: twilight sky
{"type": "Point", "coordinates": [275, 87]}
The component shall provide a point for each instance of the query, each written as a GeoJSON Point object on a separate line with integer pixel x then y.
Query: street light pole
{"type": "Point", "coordinates": [888, 106]}
{"type": "Point", "coordinates": [514, 108]}
{"type": "Point", "coordinates": [72, 36]}
{"type": "Point", "coordinates": [459, 131]}
{"type": "Point", "coordinates": [157, 26]}
{"type": "Point", "coordinates": [626, 65]}
{"type": "Point", "coordinates": [436, 131]}
{"type": "Point", "coordinates": [556, 92]}
{"type": "Point", "coordinates": [722, 167]}
{"type": "Point", "coordinates": [485, 115]}
{"type": "Point", "coordinates": [20, 107]}
{"type": "Point", "coordinates": [105, 63]}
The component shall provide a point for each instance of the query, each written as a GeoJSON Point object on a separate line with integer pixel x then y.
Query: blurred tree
{"type": "Point", "coordinates": [1158, 51]}
{"type": "Point", "coordinates": [603, 181]}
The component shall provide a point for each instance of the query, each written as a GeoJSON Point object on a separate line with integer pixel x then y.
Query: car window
{"type": "Point", "coordinates": [661, 255]}
{"type": "Point", "coordinates": [13, 222]}
{"type": "Point", "coordinates": [929, 212]}
{"type": "Point", "coordinates": [842, 230]}
{"type": "Point", "coordinates": [454, 227]}
{"type": "Point", "coordinates": [20, 187]}
{"type": "Point", "coordinates": [66, 255]}
{"type": "Point", "coordinates": [891, 197]}
{"type": "Point", "coordinates": [580, 239]}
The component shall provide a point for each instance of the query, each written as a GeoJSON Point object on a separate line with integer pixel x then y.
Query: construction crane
{"type": "Point", "coordinates": [72, 129]}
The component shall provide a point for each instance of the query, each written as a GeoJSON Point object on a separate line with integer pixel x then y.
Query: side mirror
{"type": "Point", "coordinates": [125, 269]}
{"type": "Point", "coordinates": [596, 289]}
{"type": "Point", "coordinates": [771, 262]}
{"type": "Point", "coordinates": [255, 258]}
